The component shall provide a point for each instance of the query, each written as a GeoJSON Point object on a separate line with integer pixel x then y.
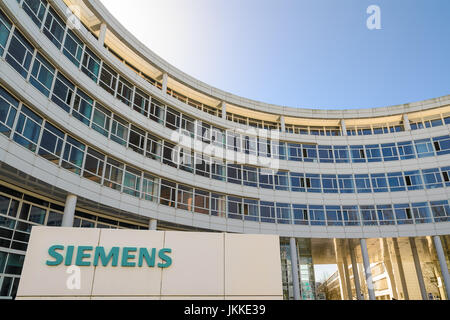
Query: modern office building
{"type": "Point", "coordinates": [98, 131]}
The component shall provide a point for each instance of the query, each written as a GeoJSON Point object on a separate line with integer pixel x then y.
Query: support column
{"type": "Point", "coordinates": [343, 275]}
{"type": "Point", "coordinates": [102, 35]}
{"type": "Point", "coordinates": [69, 211]}
{"type": "Point", "coordinates": [355, 270]}
{"type": "Point", "coordinates": [282, 124]}
{"type": "Point", "coordinates": [294, 265]}
{"type": "Point", "coordinates": [389, 269]}
{"type": "Point", "coordinates": [442, 263]}
{"type": "Point", "coordinates": [367, 271]}
{"type": "Point", "coordinates": [164, 82]}
{"type": "Point", "coordinates": [406, 123]}
{"type": "Point", "coordinates": [400, 268]}
{"type": "Point", "coordinates": [343, 127]}
{"type": "Point", "coordinates": [152, 225]}
{"type": "Point", "coordinates": [423, 290]}
{"type": "Point", "coordinates": [346, 274]}
{"type": "Point", "coordinates": [224, 110]}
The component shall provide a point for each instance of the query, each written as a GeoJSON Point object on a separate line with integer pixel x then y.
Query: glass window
{"type": "Point", "coordinates": [119, 130]}
{"type": "Point", "coordinates": [94, 165]}
{"type": "Point", "coordinates": [136, 140]}
{"type": "Point", "coordinates": [218, 169]}
{"type": "Point", "coordinates": [264, 147]}
{"type": "Point", "coordinates": [187, 159]}
{"type": "Point", "coordinates": [20, 53]}
{"type": "Point", "coordinates": [413, 180]}
{"type": "Point", "coordinates": [300, 214]}
{"type": "Point", "coordinates": [234, 173]}
{"type": "Point", "coordinates": [51, 143]}
{"type": "Point", "coordinates": [341, 154]}
{"type": "Point", "coordinates": [421, 212]}
{"type": "Point", "coordinates": [154, 146]}
{"type": "Point", "coordinates": [389, 151]}
{"type": "Point", "coordinates": [403, 214]}
{"type": "Point", "coordinates": [278, 149]}
{"type": "Point", "coordinates": [141, 102]}
{"type": "Point", "coordinates": [346, 184]}
{"type": "Point", "coordinates": [316, 215]}
{"type": "Point", "coordinates": [171, 154]}
{"type": "Point", "coordinates": [326, 154]}
{"type": "Point", "coordinates": [368, 215]}
{"type": "Point", "coordinates": [424, 148]}
{"type": "Point", "coordinates": [73, 48]}
{"type": "Point", "coordinates": [150, 187]}
{"type": "Point", "coordinates": [358, 154]}
{"type": "Point", "coordinates": [373, 153]}
{"type": "Point", "coordinates": [204, 131]}
{"type": "Point", "coordinates": [250, 176]}
{"type": "Point", "coordinates": [362, 183]}
{"type": "Point", "coordinates": [14, 264]}
{"type": "Point", "coordinates": [35, 9]}
{"type": "Point", "coordinates": [233, 141]}
{"type": "Point", "coordinates": [267, 211]}
{"type": "Point", "coordinates": [265, 178]}
{"type": "Point", "coordinates": [82, 107]}
{"type": "Point", "coordinates": [309, 153]}
{"type": "Point", "coordinates": [379, 182]}
{"type": "Point", "coordinates": [218, 137]}
{"type": "Point", "coordinates": [132, 182]}
{"type": "Point", "coordinates": [124, 91]}
{"type": "Point", "coordinates": [432, 178]}
{"type": "Point", "coordinates": [73, 155]}
{"type": "Point", "coordinates": [5, 29]}
{"type": "Point", "coordinates": [297, 182]}
{"type": "Point", "coordinates": [334, 215]}
{"type": "Point", "coordinates": [251, 210]}
{"type": "Point", "coordinates": [396, 181]}
{"type": "Point", "coordinates": [350, 215]}
{"type": "Point", "coordinates": [54, 28]}
{"type": "Point", "coordinates": [313, 183]}
{"type": "Point", "coordinates": [235, 208]}
{"type": "Point", "coordinates": [63, 91]}
{"type": "Point", "coordinates": [283, 213]}
{"type": "Point", "coordinates": [406, 150]}
{"type": "Point", "coordinates": [101, 119]}
{"type": "Point", "coordinates": [442, 145]}
{"type": "Point", "coordinates": [188, 126]}
{"type": "Point", "coordinates": [329, 183]}
{"type": "Point", "coordinates": [90, 65]}
{"type": "Point", "coordinates": [157, 109]}
{"type": "Point", "coordinates": [441, 210]}
{"type": "Point", "coordinates": [37, 215]}
{"type": "Point", "coordinates": [250, 145]}
{"type": "Point", "coordinates": [168, 193]}
{"type": "Point", "coordinates": [54, 219]}
{"type": "Point", "coordinates": [42, 75]}
{"type": "Point", "coordinates": [446, 175]}
{"type": "Point", "coordinates": [295, 152]}
{"type": "Point", "coordinates": [8, 111]}
{"type": "Point", "coordinates": [282, 180]}
{"type": "Point", "coordinates": [172, 119]}
{"type": "Point", "coordinates": [385, 214]}
{"type": "Point", "coordinates": [113, 174]}
{"type": "Point", "coordinates": [108, 79]}
{"type": "Point", "coordinates": [28, 129]}
{"type": "Point", "coordinates": [218, 205]}
{"type": "Point", "coordinates": [201, 201]}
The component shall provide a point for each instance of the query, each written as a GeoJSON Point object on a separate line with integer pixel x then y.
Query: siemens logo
{"type": "Point", "coordinates": [86, 256]}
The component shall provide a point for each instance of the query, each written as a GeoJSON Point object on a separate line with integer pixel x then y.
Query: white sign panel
{"type": "Point", "coordinates": [74, 263]}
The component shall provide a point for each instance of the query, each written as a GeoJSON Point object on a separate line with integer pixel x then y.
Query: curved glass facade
{"type": "Point", "coordinates": [84, 113]}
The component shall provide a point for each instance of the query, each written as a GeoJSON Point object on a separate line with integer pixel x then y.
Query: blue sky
{"type": "Point", "coordinates": [312, 54]}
